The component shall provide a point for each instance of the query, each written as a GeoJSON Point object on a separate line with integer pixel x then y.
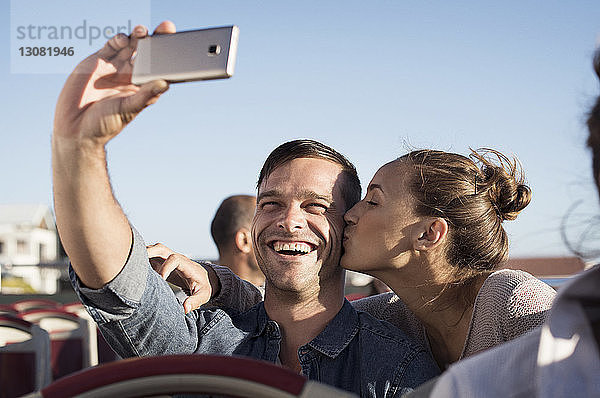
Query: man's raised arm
{"type": "Point", "coordinates": [96, 103]}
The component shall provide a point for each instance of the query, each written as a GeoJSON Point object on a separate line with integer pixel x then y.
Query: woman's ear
{"type": "Point", "coordinates": [432, 234]}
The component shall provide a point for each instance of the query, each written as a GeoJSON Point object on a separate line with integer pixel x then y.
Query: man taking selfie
{"type": "Point", "coordinates": [304, 323]}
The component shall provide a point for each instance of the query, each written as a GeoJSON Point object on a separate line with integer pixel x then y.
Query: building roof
{"type": "Point", "coordinates": [27, 215]}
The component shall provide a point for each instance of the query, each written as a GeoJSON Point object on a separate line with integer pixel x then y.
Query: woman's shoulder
{"type": "Point", "coordinates": [515, 292]}
{"type": "Point", "coordinates": [509, 304]}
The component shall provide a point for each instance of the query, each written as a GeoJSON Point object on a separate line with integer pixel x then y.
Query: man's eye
{"type": "Point", "coordinates": [316, 208]}
{"type": "Point", "coordinates": [268, 205]}
{"type": "Point", "coordinates": [371, 203]}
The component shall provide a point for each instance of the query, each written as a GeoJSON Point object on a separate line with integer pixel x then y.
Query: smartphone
{"type": "Point", "coordinates": [186, 56]}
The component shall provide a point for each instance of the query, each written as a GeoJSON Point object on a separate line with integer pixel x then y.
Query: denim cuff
{"type": "Point", "coordinates": [235, 293]}
{"type": "Point", "coordinates": [121, 296]}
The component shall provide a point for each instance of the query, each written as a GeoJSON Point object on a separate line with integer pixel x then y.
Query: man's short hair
{"type": "Point", "coordinates": [351, 190]}
{"type": "Point", "coordinates": [235, 212]}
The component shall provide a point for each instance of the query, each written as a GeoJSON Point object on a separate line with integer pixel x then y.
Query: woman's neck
{"type": "Point", "coordinates": [444, 310]}
{"type": "Point", "coordinates": [447, 337]}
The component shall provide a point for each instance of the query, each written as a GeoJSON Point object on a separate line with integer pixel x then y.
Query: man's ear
{"type": "Point", "coordinates": [243, 240]}
{"type": "Point", "coordinates": [431, 235]}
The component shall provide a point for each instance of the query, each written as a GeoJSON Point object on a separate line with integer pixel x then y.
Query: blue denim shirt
{"type": "Point", "coordinates": [139, 315]}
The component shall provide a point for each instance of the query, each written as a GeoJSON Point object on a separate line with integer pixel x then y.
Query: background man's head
{"type": "Point", "coordinates": [230, 229]}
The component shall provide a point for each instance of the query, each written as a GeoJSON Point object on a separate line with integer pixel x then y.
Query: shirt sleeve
{"type": "Point", "coordinates": [236, 293]}
{"type": "Point", "coordinates": [137, 311]}
{"type": "Point", "coordinates": [120, 297]}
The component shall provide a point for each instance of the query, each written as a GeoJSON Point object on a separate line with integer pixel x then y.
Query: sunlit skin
{"type": "Point", "coordinates": [383, 227]}
{"type": "Point", "coordinates": [300, 204]}
{"type": "Point", "coordinates": [375, 243]}
{"type": "Point", "coordinates": [95, 104]}
{"type": "Point", "coordinates": [385, 238]}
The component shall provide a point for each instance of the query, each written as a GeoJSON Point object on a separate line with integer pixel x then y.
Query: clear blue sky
{"type": "Point", "coordinates": [372, 79]}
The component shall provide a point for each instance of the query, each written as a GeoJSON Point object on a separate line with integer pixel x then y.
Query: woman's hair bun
{"type": "Point", "coordinates": [502, 179]}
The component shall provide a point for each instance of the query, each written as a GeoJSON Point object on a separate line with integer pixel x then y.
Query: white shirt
{"type": "Point", "coordinates": [559, 359]}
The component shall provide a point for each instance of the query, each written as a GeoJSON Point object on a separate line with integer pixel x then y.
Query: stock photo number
{"type": "Point", "coordinates": [46, 51]}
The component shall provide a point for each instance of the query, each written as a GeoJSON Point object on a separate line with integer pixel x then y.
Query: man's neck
{"type": "Point", "coordinates": [301, 317]}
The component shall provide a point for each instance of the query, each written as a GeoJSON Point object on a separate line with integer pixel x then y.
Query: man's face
{"type": "Point", "coordinates": [298, 225]}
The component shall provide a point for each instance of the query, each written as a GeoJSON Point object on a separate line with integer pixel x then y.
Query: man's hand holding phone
{"type": "Point", "coordinates": [98, 99]}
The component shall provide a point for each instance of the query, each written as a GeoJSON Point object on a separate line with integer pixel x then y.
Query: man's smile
{"type": "Point", "coordinates": [292, 248]}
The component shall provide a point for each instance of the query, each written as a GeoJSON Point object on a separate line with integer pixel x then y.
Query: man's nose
{"type": "Point", "coordinates": [292, 219]}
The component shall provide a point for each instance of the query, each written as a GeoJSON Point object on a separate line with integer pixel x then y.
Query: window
{"type": "Point", "coordinates": [43, 253]}
{"type": "Point", "coordinates": [22, 246]}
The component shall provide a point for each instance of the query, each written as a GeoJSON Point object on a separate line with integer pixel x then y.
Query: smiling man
{"type": "Point", "coordinates": [304, 189]}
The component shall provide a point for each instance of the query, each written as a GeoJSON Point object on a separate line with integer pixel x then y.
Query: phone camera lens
{"type": "Point", "coordinates": [214, 49]}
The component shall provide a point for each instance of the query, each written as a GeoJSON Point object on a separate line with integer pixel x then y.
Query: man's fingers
{"type": "Point", "coordinates": [195, 301]}
{"type": "Point", "coordinates": [193, 272]}
{"type": "Point", "coordinates": [158, 265]}
{"type": "Point", "coordinates": [126, 54]}
{"type": "Point", "coordinates": [188, 274]}
{"type": "Point", "coordinates": [159, 250]}
{"type": "Point", "coordinates": [165, 27]}
{"type": "Point", "coordinates": [113, 46]}
{"type": "Point", "coordinates": [170, 264]}
{"type": "Point", "coordinates": [146, 95]}
{"type": "Point", "coordinates": [138, 32]}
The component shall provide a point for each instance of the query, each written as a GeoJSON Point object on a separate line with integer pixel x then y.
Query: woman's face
{"type": "Point", "coordinates": [380, 228]}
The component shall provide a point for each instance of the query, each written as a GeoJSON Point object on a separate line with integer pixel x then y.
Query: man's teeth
{"type": "Point", "coordinates": [292, 246]}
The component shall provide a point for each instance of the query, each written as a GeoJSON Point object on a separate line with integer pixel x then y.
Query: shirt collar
{"type": "Point", "coordinates": [262, 320]}
{"type": "Point", "coordinates": [338, 333]}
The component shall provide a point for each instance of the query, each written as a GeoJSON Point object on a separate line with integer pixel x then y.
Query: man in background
{"type": "Point", "coordinates": [230, 229]}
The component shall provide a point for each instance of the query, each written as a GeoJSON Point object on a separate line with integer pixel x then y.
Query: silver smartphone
{"type": "Point", "coordinates": [186, 56]}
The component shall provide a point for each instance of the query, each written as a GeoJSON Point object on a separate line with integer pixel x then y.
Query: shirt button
{"type": "Point", "coordinates": [270, 328]}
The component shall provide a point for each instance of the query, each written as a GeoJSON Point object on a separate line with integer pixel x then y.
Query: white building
{"type": "Point", "coordinates": [28, 237]}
